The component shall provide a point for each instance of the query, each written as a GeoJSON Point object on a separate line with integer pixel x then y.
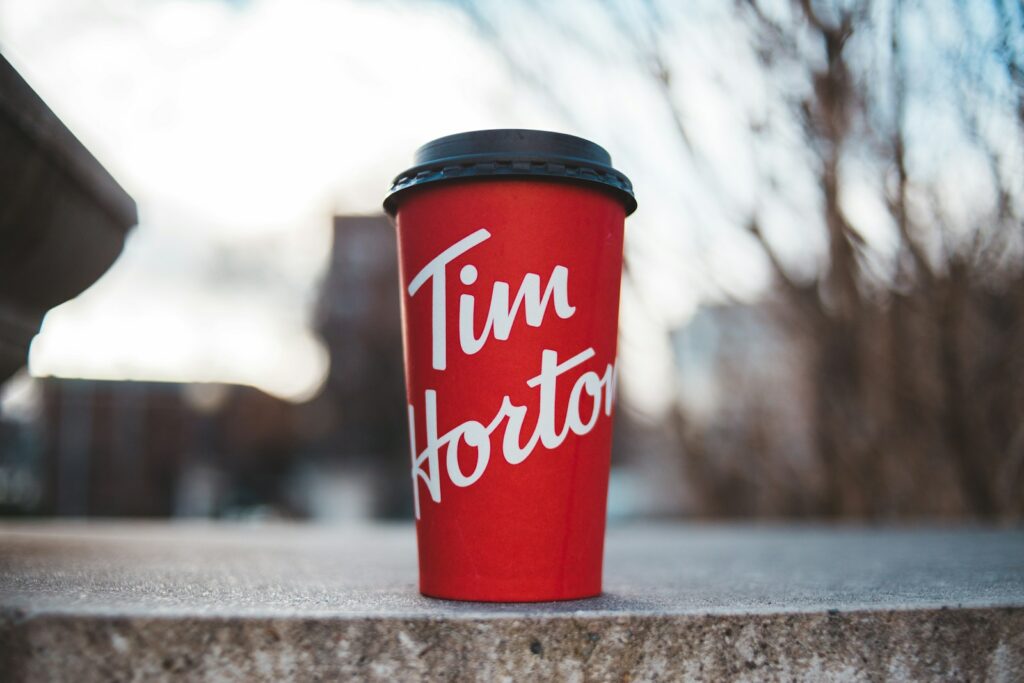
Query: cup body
{"type": "Point", "coordinates": [510, 296]}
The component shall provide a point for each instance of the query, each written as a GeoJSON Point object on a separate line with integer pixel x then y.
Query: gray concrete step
{"type": "Point", "coordinates": [138, 601]}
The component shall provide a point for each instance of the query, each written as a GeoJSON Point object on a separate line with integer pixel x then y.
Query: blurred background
{"type": "Point", "coordinates": [823, 302]}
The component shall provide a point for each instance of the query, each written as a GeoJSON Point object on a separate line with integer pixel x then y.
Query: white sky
{"type": "Point", "coordinates": [241, 127]}
{"type": "Point", "coordinates": [239, 131]}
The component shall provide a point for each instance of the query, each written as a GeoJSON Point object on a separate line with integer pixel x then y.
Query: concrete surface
{"type": "Point", "coordinates": [63, 218]}
{"type": "Point", "coordinates": [118, 602]}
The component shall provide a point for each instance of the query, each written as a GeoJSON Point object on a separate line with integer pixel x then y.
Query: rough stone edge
{"type": "Point", "coordinates": [916, 644]}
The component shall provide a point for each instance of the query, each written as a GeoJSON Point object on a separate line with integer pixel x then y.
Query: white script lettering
{"type": "Point", "coordinates": [501, 314]}
{"type": "Point", "coordinates": [476, 435]}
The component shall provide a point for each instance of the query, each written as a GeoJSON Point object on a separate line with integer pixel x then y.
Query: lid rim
{"type": "Point", "coordinates": [512, 153]}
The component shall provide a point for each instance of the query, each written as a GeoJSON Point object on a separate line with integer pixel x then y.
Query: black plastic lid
{"type": "Point", "coordinates": [512, 152]}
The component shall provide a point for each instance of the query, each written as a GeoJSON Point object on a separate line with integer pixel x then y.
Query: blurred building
{"type": "Point", "coordinates": [744, 411]}
{"type": "Point", "coordinates": [362, 405]}
{"type": "Point", "coordinates": [728, 353]}
{"type": "Point", "coordinates": [119, 448]}
{"type": "Point", "coordinates": [125, 448]}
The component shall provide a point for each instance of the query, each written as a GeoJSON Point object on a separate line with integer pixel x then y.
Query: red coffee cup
{"type": "Point", "coordinates": [510, 257]}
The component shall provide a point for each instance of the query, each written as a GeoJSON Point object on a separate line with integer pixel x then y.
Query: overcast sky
{"type": "Point", "coordinates": [241, 127]}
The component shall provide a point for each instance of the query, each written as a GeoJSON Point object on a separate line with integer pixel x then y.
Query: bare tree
{"type": "Point", "coordinates": [911, 346]}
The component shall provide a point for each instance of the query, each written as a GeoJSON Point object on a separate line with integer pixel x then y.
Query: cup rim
{"type": "Point", "coordinates": [512, 152]}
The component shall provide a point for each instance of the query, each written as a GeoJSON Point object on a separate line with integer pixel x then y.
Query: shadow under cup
{"type": "Point", "coordinates": [510, 294]}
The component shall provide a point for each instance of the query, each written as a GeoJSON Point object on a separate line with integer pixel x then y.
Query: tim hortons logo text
{"type": "Point", "coordinates": [502, 316]}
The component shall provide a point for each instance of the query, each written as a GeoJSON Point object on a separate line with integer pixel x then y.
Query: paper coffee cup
{"type": "Point", "coordinates": [510, 258]}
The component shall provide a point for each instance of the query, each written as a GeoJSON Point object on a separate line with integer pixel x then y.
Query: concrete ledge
{"type": "Point", "coordinates": [139, 602]}
{"type": "Point", "coordinates": [63, 218]}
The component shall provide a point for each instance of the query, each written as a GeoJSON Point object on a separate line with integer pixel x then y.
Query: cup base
{"type": "Point", "coordinates": [509, 599]}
